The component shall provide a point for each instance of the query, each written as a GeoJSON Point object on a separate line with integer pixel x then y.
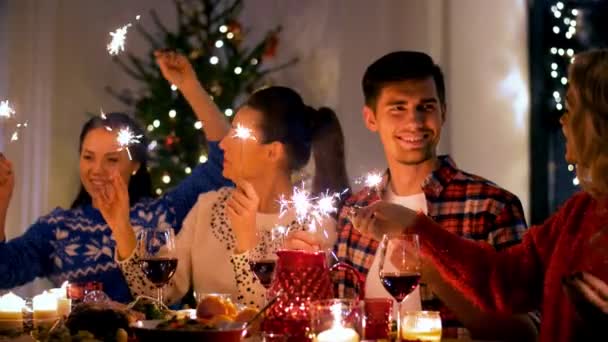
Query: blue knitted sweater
{"type": "Point", "coordinates": [77, 244]}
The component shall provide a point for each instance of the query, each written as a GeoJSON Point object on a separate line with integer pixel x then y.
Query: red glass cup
{"type": "Point", "coordinates": [77, 291]}
{"type": "Point", "coordinates": [377, 318]}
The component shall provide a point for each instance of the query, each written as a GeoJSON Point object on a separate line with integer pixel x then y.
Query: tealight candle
{"type": "Point", "coordinates": [11, 312]}
{"type": "Point", "coordinates": [422, 326]}
{"type": "Point", "coordinates": [45, 307]}
{"type": "Point", "coordinates": [338, 334]}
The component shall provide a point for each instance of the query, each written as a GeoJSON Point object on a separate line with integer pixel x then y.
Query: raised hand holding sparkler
{"type": "Point", "coordinates": [241, 209]}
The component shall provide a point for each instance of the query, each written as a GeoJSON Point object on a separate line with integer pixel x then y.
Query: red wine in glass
{"type": "Point", "coordinates": [263, 270]}
{"type": "Point", "coordinates": [400, 285]}
{"type": "Point", "coordinates": [158, 270]}
{"type": "Point", "coordinates": [157, 256]}
{"type": "Point", "coordinates": [400, 266]}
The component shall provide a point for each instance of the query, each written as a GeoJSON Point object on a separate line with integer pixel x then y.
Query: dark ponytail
{"type": "Point", "coordinates": [140, 185]}
{"type": "Point", "coordinates": [302, 129]}
{"type": "Point", "coordinates": [328, 153]}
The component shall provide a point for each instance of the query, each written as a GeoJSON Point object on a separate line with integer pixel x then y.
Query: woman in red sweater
{"type": "Point", "coordinates": [568, 251]}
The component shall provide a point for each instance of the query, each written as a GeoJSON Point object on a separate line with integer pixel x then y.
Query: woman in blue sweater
{"type": "Point", "coordinates": [77, 244]}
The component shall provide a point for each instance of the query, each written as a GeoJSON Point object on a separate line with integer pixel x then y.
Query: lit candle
{"type": "Point", "coordinates": [11, 312]}
{"type": "Point", "coordinates": [64, 304]}
{"type": "Point", "coordinates": [45, 307]}
{"type": "Point", "coordinates": [422, 326]}
{"type": "Point", "coordinates": [337, 333]}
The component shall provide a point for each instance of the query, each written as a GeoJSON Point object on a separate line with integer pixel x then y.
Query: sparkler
{"type": "Point", "coordinates": [119, 37]}
{"type": "Point", "coordinates": [309, 210]}
{"type": "Point", "coordinates": [126, 138]}
{"type": "Point", "coordinates": [243, 133]}
{"type": "Point", "coordinates": [6, 111]}
{"type": "Point", "coordinates": [20, 126]}
{"type": "Point", "coordinates": [117, 44]}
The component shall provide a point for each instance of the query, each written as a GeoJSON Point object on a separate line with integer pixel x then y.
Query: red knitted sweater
{"type": "Point", "coordinates": [526, 276]}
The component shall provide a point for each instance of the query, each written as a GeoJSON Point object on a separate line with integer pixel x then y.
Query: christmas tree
{"type": "Point", "coordinates": [210, 35]}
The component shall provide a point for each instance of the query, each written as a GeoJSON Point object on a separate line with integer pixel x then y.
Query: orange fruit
{"type": "Point", "coordinates": [210, 306]}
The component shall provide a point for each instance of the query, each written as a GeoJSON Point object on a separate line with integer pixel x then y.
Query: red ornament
{"type": "Point", "coordinates": [272, 43]}
{"type": "Point", "coordinates": [235, 27]}
{"type": "Point", "coordinates": [171, 140]}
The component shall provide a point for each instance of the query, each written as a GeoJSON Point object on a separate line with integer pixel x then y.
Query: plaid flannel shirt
{"type": "Point", "coordinates": [462, 203]}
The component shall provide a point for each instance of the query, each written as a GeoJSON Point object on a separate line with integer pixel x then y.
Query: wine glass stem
{"type": "Point", "coordinates": [398, 339]}
{"type": "Point", "coordinates": [159, 294]}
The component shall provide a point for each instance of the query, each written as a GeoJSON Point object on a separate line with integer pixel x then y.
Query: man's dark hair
{"type": "Point", "coordinates": [400, 66]}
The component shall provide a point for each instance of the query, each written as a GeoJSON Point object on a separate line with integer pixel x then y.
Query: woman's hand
{"type": "Point", "coordinates": [176, 68]}
{"type": "Point", "coordinates": [112, 200]}
{"type": "Point", "coordinates": [241, 208]}
{"type": "Point", "coordinates": [303, 240]}
{"type": "Point", "coordinates": [589, 295]}
{"type": "Point", "coordinates": [383, 217]}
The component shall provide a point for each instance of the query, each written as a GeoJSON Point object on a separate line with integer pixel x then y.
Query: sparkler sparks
{"type": "Point", "coordinates": [18, 128]}
{"type": "Point", "coordinates": [6, 111]}
{"type": "Point", "coordinates": [244, 133]}
{"type": "Point", "coordinates": [126, 138]}
{"type": "Point", "coordinates": [309, 210]}
{"type": "Point", "coordinates": [373, 179]}
{"type": "Point", "coordinates": [119, 37]}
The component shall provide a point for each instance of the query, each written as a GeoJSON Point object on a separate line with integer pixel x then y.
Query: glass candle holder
{"type": "Point", "coordinates": [336, 320]}
{"type": "Point", "coordinates": [376, 322]}
{"type": "Point", "coordinates": [423, 326]}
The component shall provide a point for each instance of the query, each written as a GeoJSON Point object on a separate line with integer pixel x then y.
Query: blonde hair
{"type": "Point", "coordinates": [588, 122]}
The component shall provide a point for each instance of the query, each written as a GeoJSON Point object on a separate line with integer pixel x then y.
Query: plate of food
{"type": "Point", "coordinates": [215, 319]}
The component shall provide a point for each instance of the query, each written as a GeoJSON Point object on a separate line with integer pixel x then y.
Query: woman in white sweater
{"type": "Point", "coordinates": [229, 226]}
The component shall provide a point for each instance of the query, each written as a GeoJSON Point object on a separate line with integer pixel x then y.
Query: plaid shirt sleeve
{"type": "Point", "coordinates": [509, 224]}
{"type": "Point", "coordinates": [352, 248]}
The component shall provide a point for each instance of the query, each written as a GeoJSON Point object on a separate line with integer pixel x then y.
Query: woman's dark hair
{"type": "Point", "coordinates": [302, 129]}
{"type": "Point", "coordinates": [140, 185]}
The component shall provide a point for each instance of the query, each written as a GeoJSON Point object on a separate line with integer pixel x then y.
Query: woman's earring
{"type": "Point", "coordinates": [134, 172]}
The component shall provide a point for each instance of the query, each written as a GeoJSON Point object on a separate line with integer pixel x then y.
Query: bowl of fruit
{"type": "Point", "coordinates": [217, 319]}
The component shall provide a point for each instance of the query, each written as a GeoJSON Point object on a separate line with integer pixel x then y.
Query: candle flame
{"type": "Point", "coordinates": [10, 302]}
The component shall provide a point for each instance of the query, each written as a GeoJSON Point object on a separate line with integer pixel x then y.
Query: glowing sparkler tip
{"type": "Point", "coordinates": [6, 111]}
{"type": "Point", "coordinates": [117, 44]}
{"type": "Point", "coordinates": [242, 132]}
{"type": "Point", "coordinates": [126, 137]}
{"type": "Point", "coordinates": [373, 179]}
{"type": "Point", "coordinates": [137, 17]}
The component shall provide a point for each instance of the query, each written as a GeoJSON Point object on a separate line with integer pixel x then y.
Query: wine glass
{"type": "Point", "coordinates": [263, 259]}
{"type": "Point", "coordinates": [400, 268]}
{"type": "Point", "coordinates": [157, 256]}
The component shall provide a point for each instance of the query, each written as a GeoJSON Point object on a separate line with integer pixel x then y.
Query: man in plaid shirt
{"type": "Point", "coordinates": [405, 104]}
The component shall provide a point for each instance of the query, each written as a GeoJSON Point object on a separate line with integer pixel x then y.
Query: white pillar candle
{"type": "Point", "coordinates": [338, 334]}
{"type": "Point", "coordinates": [11, 312]}
{"type": "Point", "coordinates": [45, 308]}
{"type": "Point", "coordinates": [64, 304]}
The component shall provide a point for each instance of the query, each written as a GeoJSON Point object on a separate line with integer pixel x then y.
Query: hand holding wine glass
{"type": "Point", "coordinates": [400, 268]}
{"type": "Point", "coordinates": [157, 256]}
